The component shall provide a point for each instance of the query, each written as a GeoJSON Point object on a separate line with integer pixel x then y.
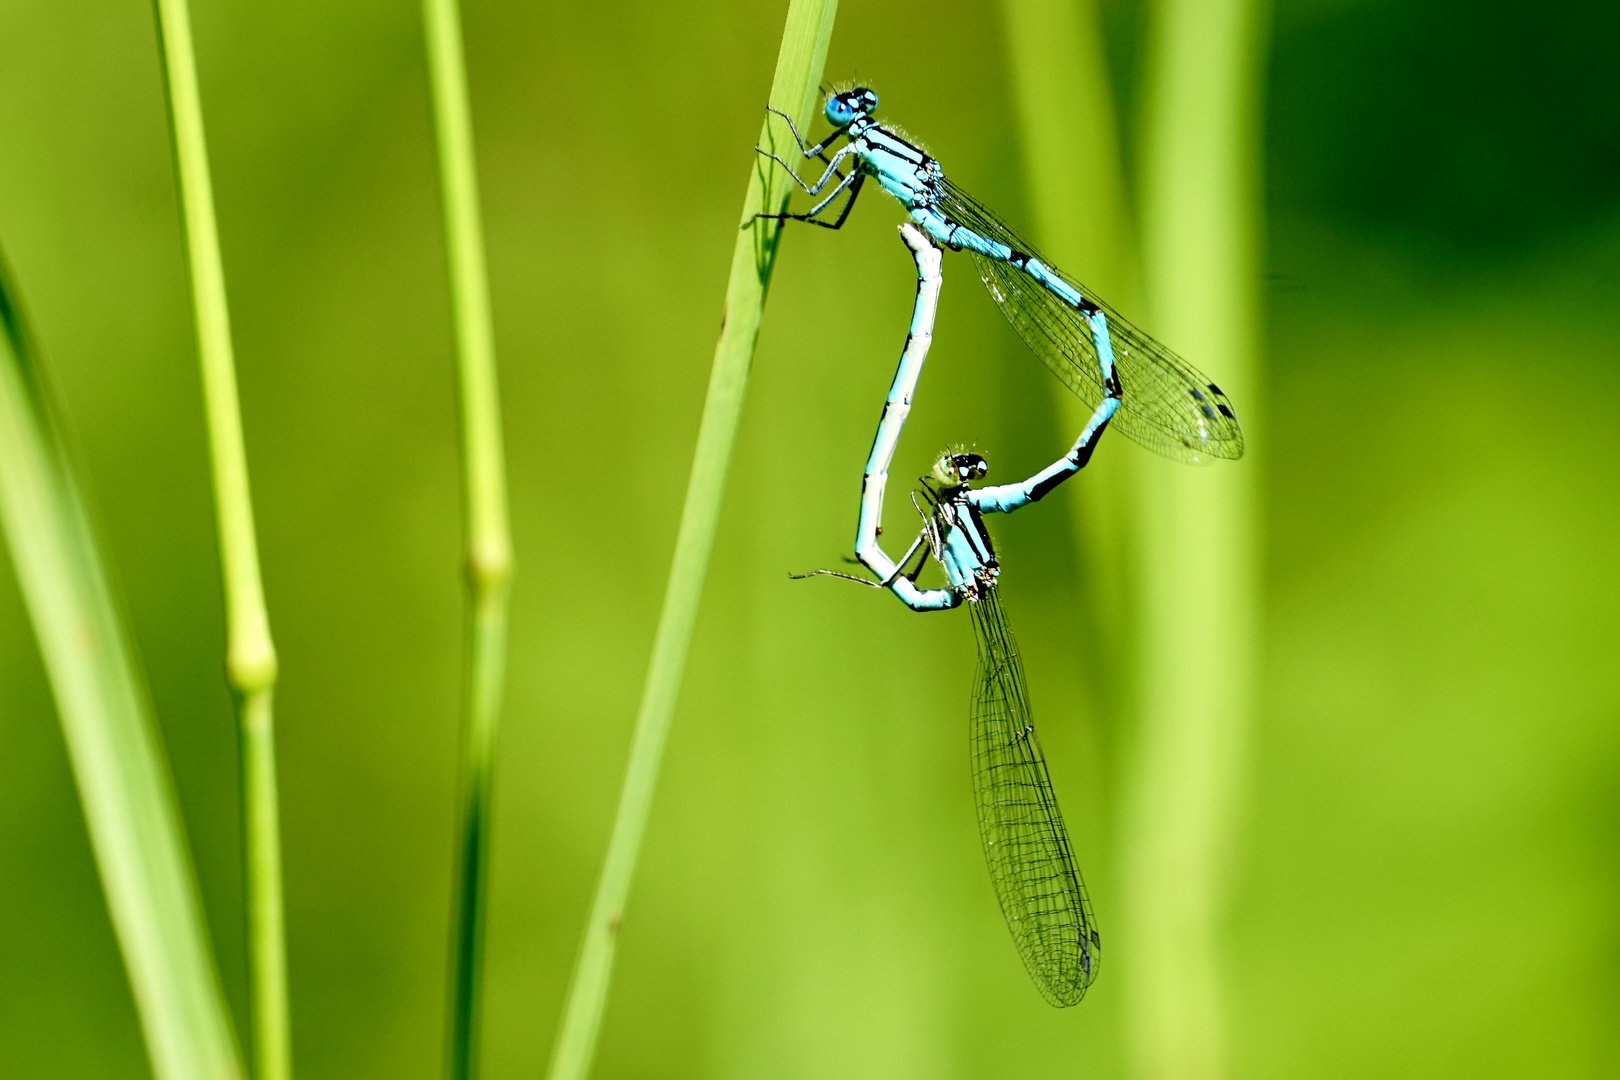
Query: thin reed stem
{"type": "Point", "coordinates": [250, 655]}
{"type": "Point", "coordinates": [793, 89]}
{"type": "Point", "coordinates": [484, 512]}
{"type": "Point", "coordinates": [117, 757]}
{"type": "Point", "coordinates": [1200, 605]}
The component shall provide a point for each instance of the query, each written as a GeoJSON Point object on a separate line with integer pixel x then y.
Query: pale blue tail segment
{"type": "Point", "coordinates": [896, 407]}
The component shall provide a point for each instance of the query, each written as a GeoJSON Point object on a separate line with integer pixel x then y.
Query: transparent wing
{"type": "Point", "coordinates": [1168, 406]}
{"type": "Point", "coordinates": [1031, 864]}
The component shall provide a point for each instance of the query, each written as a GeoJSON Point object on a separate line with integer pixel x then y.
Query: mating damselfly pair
{"type": "Point", "coordinates": [1132, 382]}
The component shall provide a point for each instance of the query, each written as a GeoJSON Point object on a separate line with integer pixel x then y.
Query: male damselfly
{"type": "Point", "coordinates": [1165, 404]}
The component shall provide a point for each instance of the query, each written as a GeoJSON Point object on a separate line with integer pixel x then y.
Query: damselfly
{"type": "Point", "coordinates": [1165, 404]}
{"type": "Point", "coordinates": [1031, 862]}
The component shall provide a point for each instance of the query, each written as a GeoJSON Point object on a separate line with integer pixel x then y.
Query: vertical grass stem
{"type": "Point", "coordinates": [488, 534]}
{"type": "Point", "coordinates": [799, 65]}
{"type": "Point", "coordinates": [250, 655]}
{"type": "Point", "coordinates": [1200, 605]}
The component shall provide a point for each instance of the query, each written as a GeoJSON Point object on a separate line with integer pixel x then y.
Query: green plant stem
{"type": "Point", "coordinates": [117, 758]}
{"type": "Point", "coordinates": [250, 655]}
{"type": "Point", "coordinates": [1075, 179]}
{"type": "Point", "coordinates": [798, 68]}
{"type": "Point", "coordinates": [1200, 535]}
{"type": "Point", "coordinates": [488, 534]}
{"type": "Point", "coordinates": [261, 831]}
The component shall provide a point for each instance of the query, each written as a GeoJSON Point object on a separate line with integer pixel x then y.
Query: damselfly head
{"type": "Point", "coordinates": [845, 105]}
{"type": "Point", "coordinates": [957, 466]}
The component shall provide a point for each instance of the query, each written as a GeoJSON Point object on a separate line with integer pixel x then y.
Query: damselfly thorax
{"type": "Point", "coordinates": [959, 540]}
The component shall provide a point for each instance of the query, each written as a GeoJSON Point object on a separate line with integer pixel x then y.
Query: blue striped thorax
{"type": "Point", "coordinates": [918, 182]}
{"type": "Point", "coordinates": [902, 169]}
{"type": "Point", "coordinates": [965, 551]}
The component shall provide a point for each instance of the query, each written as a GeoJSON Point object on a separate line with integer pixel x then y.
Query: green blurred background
{"type": "Point", "coordinates": [1429, 882]}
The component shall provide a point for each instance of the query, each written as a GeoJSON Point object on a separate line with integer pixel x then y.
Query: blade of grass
{"type": "Point", "coordinates": [799, 65]}
{"type": "Point", "coordinates": [117, 759]}
{"type": "Point", "coordinates": [1075, 179]}
{"type": "Point", "coordinates": [1200, 606]}
{"type": "Point", "coordinates": [250, 655]}
{"type": "Point", "coordinates": [488, 536]}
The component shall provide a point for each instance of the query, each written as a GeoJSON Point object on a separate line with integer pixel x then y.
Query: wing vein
{"type": "Point", "coordinates": [1026, 846]}
{"type": "Point", "coordinates": [1168, 406]}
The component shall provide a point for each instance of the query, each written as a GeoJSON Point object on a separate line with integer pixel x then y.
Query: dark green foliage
{"type": "Point", "coordinates": [1471, 127]}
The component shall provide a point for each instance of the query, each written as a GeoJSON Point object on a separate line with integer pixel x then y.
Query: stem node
{"type": "Point", "coordinates": [251, 665]}
{"type": "Point", "coordinates": [489, 565]}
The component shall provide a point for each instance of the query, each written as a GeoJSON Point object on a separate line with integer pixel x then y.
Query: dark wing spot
{"type": "Point", "coordinates": [1196, 395]}
{"type": "Point", "coordinates": [1226, 411]}
{"type": "Point", "coordinates": [1215, 390]}
{"type": "Point", "coordinates": [1209, 413]}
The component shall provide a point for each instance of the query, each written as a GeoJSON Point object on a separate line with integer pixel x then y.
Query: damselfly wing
{"type": "Point", "coordinates": [1031, 862]}
{"type": "Point", "coordinates": [1167, 405]}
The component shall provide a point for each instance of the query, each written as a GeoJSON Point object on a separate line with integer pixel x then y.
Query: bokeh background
{"type": "Point", "coordinates": [1428, 884]}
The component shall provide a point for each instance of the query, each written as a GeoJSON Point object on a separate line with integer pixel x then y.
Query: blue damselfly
{"type": "Point", "coordinates": [1032, 865]}
{"type": "Point", "coordinates": [1165, 404]}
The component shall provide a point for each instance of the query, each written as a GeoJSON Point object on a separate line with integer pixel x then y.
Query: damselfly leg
{"type": "Point", "coordinates": [816, 151]}
{"type": "Point", "coordinates": [852, 183]}
{"type": "Point", "coordinates": [900, 571]}
{"type": "Point", "coordinates": [815, 188]}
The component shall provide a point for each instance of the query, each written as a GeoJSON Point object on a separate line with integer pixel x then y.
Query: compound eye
{"type": "Point", "coordinates": [969, 466]}
{"type": "Point", "coordinates": [870, 100]}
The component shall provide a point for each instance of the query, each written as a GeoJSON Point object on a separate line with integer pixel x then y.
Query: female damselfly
{"type": "Point", "coordinates": [1031, 862]}
{"type": "Point", "coordinates": [1164, 403]}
